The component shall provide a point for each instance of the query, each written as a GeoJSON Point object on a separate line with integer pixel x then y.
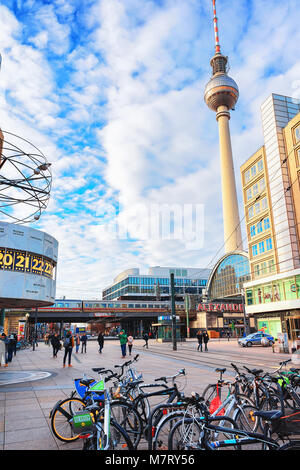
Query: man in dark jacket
{"type": "Point", "coordinates": [83, 342]}
{"type": "Point", "coordinates": [205, 339]}
{"type": "Point", "coordinates": [55, 344]}
{"type": "Point", "coordinates": [200, 339]}
{"type": "Point", "coordinates": [100, 342]}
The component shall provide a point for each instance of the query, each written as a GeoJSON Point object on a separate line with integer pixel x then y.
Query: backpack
{"type": "Point", "coordinates": [67, 342]}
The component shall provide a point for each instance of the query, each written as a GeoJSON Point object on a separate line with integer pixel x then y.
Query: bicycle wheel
{"type": "Point", "coordinates": [163, 429]}
{"type": "Point", "coordinates": [118, 438]}
{"type": "Point", "coordinates": [61, 419]}
{"type": "Point", "coordinates": [213, 390]}
{"type": "Point", "coordinates": [293, 445]}
{"type": "Point", "coordinates": [129, 419]}
{"type": "Point", "coordinates": [185, 435]}
{"type": "Point", "coordinates": [245, 419]}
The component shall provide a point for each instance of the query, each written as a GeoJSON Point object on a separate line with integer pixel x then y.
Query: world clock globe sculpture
{"type": "Point", "coordinates": [28, 257]}
{"type": "Point", "coordinates": [221, 94]}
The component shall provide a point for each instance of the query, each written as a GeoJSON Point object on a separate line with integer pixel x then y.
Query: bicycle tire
{"type": "Point", "coordinates": [176, 440]}
{"type": "Point", "coordinates": [293, 445]}
{"type": "Point", "coordinates": [127, 416]}
{"type": "Point", "coordinates": [245, 419]}
{"type": "Point", "coordinates": [163, 429]}
{"type": "Point", "coordinates": [61, 416]}
{"type": "Point", "coordinates": [118, 439]}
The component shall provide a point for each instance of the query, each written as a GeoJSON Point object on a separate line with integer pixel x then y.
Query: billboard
{"type": "Point", "coordinates": [28, 259]}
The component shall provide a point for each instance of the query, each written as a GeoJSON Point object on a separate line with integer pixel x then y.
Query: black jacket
{"type": "Point", "coordinates": [199, 337]}
{"type": "Point", "coordinates": [205, 337]}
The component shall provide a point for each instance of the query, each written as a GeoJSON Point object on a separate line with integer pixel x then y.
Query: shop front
{"type": "Point", "coordinates": [275, 304]}
{"type": "Point", "coordinates": [164, 329]}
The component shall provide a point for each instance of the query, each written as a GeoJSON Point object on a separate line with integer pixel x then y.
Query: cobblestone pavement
{"type": "Point", "coordinates": [25, 405]}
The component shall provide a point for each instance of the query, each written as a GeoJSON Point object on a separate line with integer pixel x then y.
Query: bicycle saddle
{"type": "Point", "coordinates": [220, 370]}
{"type": "Point", "coordinates": [269, 415]}
{"type": "Point", "coordinates": [255, 372]}
{"type": "Point", "coordinates": [295, 371]}
{"type": "Point", "coordinates": [98, 369]}
{"type": "Point", "coordinates": [86, 382]}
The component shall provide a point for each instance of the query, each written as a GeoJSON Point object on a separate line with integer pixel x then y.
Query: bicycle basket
{"type": "Point", "coordinates": [82, 422]}
{"type": "Point", "coordinates": [287, 425]}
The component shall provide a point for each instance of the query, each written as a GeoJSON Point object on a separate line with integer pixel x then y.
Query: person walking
{"type": "Point", "coordinates": [68, 345]}
{"type": "Point", "coordinates": [83, 343]}
{"type": "Point", "coordinates": [77, 343]}
{"type": "Point", "coordinates": [3, 351]}
{"type": "Point", "coordinates": [55, 344]}
{"type": "Point", "coordinates": [199, 336]}
{"type": "Point", "coordinates": [205, 339]}
{"type": "Point", "coordinates": [123, 342]}
{"type": "Point", "coordinates": [130, 343]}
{"type": "Point", "coordinates": [146, 338]}
{"type": "Point", "coordinates": [15, 343]}
{"type": "Point", "coordinates": [10, 347]}
{"type": "Point", "coordinates": [100, 342]}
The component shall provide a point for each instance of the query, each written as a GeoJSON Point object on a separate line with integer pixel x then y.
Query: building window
{"type": "Point", "coordinates": [261, 247]}
{"type": "Point", "coordinates": [255, 189]}
{"type": "Point", "coordinates": [249, 194]}
{"type": "Point", "coordinates": [266, 223]}
{"type": "Point", "coordinates": [271, 266]}
{"type": "Point", "coordinates": [257, 208]}
{"type": "Point", "coordinates": [297, 133]}
{"type": "Point", "coordinates": [259, 227]}
{"type": "Point", "coordinates": [256, 270]}
{"type": "Point", "coordinates": [264, 203]}
{"type": "Point", "coordinates": [247, 176]}
{"type": "Point", "coordinates": [262, 184]}
{"type": "Point", "coordinates": [260, 165]}
{"type": "Point", "coordinates": [252, 230]}
{"type": "Point", "coordinates": [264, 268]}
{"type": "Point", "coordinates": [250, 212]}
{"type": "Point", "coordinates": [269, 244]}
{"type": "Point", "coordinates": [254, 250]}
{"type": "Point", "coordinates": [253, 171]}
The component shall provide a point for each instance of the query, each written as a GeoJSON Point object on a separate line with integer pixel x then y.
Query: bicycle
{"type": "Point", "coordinates": [198, 433]}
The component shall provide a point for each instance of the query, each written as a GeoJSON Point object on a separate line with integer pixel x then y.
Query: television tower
{"type": "Point", "coordinates": [221, 94]}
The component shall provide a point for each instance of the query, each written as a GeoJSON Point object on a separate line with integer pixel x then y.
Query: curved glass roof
{"type": "Point", "coordinates": [229, 275]}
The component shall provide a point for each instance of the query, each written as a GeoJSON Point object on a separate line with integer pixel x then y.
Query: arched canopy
{"type": "Point", "coordinates": [228, 276]}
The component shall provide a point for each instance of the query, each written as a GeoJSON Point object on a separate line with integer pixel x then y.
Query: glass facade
{"type": "Point", "coordinates": [275, 291]}
{"type": "Point", "coordinates": [229, 277]}
{"type": "Point", "coordinates": [150, 285]}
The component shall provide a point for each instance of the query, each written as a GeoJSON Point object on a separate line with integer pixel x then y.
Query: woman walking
{"type": "Point", "coordinates": [68, 345]}
{"type": "Point", "coordinates": [77, 343]}
{"type": "Point", "coordinates": [130, 343]}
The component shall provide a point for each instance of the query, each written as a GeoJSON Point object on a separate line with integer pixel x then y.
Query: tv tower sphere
{"type": "Point", "coordinates": [221, 90]}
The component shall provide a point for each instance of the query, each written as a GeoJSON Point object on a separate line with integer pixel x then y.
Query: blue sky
{"type": "Point", "coordinates": [112, 92]}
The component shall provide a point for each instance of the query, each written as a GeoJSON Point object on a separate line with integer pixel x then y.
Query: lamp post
{"type": "Point", "coordinates": [173, 312]}
{"type": "Point", "coordinates": [34, 336]}
{"type": "Point", "coordinates": [187, 310]}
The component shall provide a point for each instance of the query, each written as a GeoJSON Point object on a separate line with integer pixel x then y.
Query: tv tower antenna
{"type": "Point", "coordinates": [221, 94]}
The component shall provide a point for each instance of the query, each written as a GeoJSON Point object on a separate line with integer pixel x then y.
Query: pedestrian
{"type": "Point", "coordinates": [130, 343]}
{"type": "Point", "coordinates": [123, 342]}
{"type": "Point", "coordinates": [68, 345]}
{"type": "Point", "coordinates": [3, 351]}
{"type": "Point", "coordinates": [200, 339]}
{"type": "Point", "coordinates": [10, 347]}
{"type": "Point", "coordinates": [146, 338]}
{"type": "Point", "coordinates": [100, 342]}
{"type": "Point", "coordinates": [83, 343]}
{"type": "Point", "coordinates": [55, 342]}
{"type": "Point", "coordinates": [228, 334]}
{"type": "Point", "coordinates": [205, 339]}
{"type": "Point", "coordinates": [77, 342]}
{"type": "Point", "coordinates": [15, 343]}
